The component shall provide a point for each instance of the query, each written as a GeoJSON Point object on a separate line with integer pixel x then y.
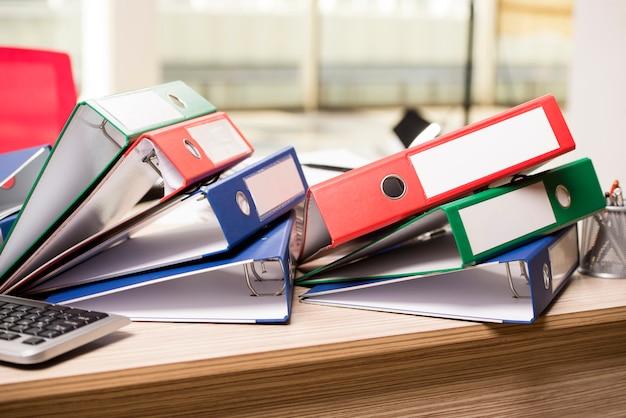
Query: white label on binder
{"type": "Point", "coordinates": [478, 154]}
{"type": "Point", "coordinates": [219, 140]}
{"type": "Point", "coordinates": [275, 186]}
{"type": "Point", "coordinates": [501, 219]}
{"type": "Point", "coordinates": [140, 110]}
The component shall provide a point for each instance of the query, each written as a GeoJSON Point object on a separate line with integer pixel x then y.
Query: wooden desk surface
{"type": "Point", "coordinates": [347, 362]}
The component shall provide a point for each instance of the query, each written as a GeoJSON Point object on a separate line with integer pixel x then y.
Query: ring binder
{"type": "Point", "coordinates": [481, 226]}
{"type": "Point", "coordinates": [156, 156]}
{"type": "Point", "coordinates": [479, 293]}
{"type": "Point", "coordinates": [208, 221]}
{"type": "Point", "coordinates": [84, 144]}
{"type": "Point", "coordinates": [384, 192]}
{"type": "Point", "coordinates": [209, 290]}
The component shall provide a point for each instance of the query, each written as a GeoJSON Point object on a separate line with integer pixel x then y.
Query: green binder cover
{"type": "Point", "coordinates": [472, 229]}
{"type": "Point", "coordinates": [96, 135]}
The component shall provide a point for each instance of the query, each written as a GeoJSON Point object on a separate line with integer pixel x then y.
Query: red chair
{"type": "Point", "coordinates": [38, 95]}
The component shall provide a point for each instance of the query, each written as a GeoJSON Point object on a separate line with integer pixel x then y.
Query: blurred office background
{"type": "Point", "coordinates": [306, 54]}
{"type": "Point", "coordinates": [313, 57]}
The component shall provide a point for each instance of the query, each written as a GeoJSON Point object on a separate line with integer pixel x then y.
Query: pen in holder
{"type": "Point", "coordinates": [603, 249]}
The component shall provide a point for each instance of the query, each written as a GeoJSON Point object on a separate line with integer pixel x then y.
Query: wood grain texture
{"type": "Point", "coordinates": [345, 362]}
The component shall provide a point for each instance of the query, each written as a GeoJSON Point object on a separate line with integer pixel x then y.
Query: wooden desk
{"type": "Point", "coordinates": [346, 362]}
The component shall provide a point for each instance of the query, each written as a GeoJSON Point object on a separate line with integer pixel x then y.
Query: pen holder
{"type": "Point", "coordinates": [603, 246]}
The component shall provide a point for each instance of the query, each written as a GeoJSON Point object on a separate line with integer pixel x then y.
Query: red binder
{"type": "Point", "coordinates": [376, 195]}
{"type": "Point", "coordinates": [190, 152]}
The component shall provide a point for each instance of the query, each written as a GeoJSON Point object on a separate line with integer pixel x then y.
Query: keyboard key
{"type": "Point", "coordinates": [49, 333]}
{"type": "Point", "coordinates": [8, 336]}
{"type": "Point", "coordinates": [45, 330]}
{"type": "Point", "coordinates": [19, 328]}
{"type": "Point", "coordinates": [34, 331]}
{"type": "Point", "coordinates": [33, 341]}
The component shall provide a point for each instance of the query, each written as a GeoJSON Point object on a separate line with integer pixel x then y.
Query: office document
{"type": "Point", "coordinates": [412, 181]}
{"type": "Point", "coordinates": [514, 287]}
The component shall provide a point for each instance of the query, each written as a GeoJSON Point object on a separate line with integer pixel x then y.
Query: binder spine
{"type": "Point", "coordinates": [498, 219]}
{"type": "Point", "coordinates": [193, 151]}
{"type": "Point", "coordinates": [259, 194]}
{"type": "Point", "coordinates": [151, 108]}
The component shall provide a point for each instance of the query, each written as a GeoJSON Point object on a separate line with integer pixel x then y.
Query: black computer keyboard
{"type": "Point", "coordinates": [34, 331]}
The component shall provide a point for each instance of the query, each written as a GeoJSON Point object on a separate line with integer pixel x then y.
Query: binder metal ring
{"type": "Point", "coordinates": [509, 276]}
{"type": "Point", "coordinates": [152, 160]}
{"type": "Point", "coordinates": [547, 277]}
{"type": "Point", "coordinates": [102, 127]}
{"type": "Point", "coordinates": [258, 278]}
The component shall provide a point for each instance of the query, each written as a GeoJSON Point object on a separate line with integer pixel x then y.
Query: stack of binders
{"type": "Point", "coordinates": [212, 243]}
{"type": "Point", "coordinates": [467, 225]}
{"type": "Point", "coordinates": [464, 226]}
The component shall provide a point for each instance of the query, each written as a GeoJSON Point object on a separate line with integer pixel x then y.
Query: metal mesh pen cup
{"type": "Point", "coordinates": [603, 246]}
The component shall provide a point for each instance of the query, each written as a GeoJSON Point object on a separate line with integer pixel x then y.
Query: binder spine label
{"type": "Point", "coordinates": [276, 186]}
{"type": "Point", "coordinates": [141, 109]}
{"type": "Point", "coordinates": [479, 154]}
{"type": "Point", "coordinates": [219, 140]}
{"type": "Point", "coordinates": [520, 212]}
